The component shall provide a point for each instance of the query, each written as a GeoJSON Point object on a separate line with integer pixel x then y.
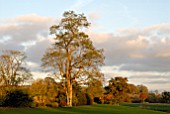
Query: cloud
{"type": "Point", "coordinates": [35, 52]}
{"type": "Point", "coordinates": [159, 82]}
{"type": "Point", "coordinates": [9, 46]}
{"type": "Point", "coordinates": [153, 30]}
{"type": "Point", "coordinates": [39, 75]}
{"type": "Point", "coordinates": [25, 28]}
{"type": "Point", "coordinates": [139, 43]}
{"type": "Point", "coordinates": [31, 19]}
{"type": "Point", "coordinates": [29, 33]}
{"type": "Point", "coordinates": [31, 65]}
{"type": "Point", "coordinates": [137, 49]}
{"type": "Point", "coordinates": [150, 76]}
{"type": "Point", "coordinates": [141, 54]}
{"type": "Point", "coordinates": [100, 38]}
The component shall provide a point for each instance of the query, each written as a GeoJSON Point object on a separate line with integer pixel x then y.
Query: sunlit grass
{"type": "Point", "coordinates": [91, 109]}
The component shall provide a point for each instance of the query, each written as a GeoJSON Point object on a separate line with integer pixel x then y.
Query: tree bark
{"type": "Point", "coordinates": [69, 93]}
{"type": "Point", "coordinates": [68, 77]}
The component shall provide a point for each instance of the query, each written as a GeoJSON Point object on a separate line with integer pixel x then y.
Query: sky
{"type": "Point", "coordinates": [135, 35]}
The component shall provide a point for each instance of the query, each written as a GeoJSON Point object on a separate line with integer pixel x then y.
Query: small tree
{"type": "Point", "coordinates": [44, 91]}
{"type": "Point", "coordinates": [143, 92]}
{"type": "Point", "coordinates": [73, 57]}
{"type": "Point", "coordinates": [166, 97]}
{"type": "Point", "coordinates": [118, 87]}
{"type": "Point", "coordinates": [142, 89]}
{"type": "Point", "coordinates": [143, 96]}
{"type": "Point", "coordinates": [12, 71]}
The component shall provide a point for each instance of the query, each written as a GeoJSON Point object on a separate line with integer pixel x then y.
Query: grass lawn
{"type": "Point", "coordinates": [93, 109]}
{"type": "Point", "coordinates": [151, 106]}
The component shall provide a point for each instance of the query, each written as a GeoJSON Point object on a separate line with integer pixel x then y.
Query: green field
{"type": "Point", "coordinates": [94, 109]}
{"type": "Point", "coordinates": [149, 106]}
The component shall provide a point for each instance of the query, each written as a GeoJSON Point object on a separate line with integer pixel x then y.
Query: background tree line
{"type": "Point", "coordinates": [75, 62]}
{"type": "Point", "coordinates": [48, 92]}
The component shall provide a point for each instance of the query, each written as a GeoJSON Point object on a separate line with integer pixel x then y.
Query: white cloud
{"type": "Point", "coordinates": [30, 19]}
{"type": "Point", "coordinates": [39, 75]}
{"type": "Point", "coordinates": [31, 65]}
{"type": "Point", "coordinates": [99, 38]}
{"type": "Point", "coordinates": [5, 39]}
{"type": "Point", "coordinates": [25, 28]}
{"type": "Point", "coordinates": [139, 42]}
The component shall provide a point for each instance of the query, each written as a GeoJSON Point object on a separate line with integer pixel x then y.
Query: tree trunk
{"type": "Point", "coordinates": [69, 94]}
{"type": "Point", "coordinates": [68, 77]}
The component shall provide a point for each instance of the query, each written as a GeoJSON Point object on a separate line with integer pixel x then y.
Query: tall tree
{"type": "Point", "coordinates": [12, 71]}
{"type": "Point", "coordinates": [73, 57]}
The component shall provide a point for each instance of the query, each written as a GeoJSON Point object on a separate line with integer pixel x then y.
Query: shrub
{"type": "Point", "coordinates": [1, 100]}
{"type": "Point", "coordinates": [53, 104]}
{"type": "Point", "coordinates": [136, 99]}
{"type": "Point", "coordinates": [16, 98]}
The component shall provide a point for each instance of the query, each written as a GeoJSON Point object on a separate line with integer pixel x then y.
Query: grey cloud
{"type": "Point", "coordinates": [137, 49]}
{"type": "Point", "coordinates": [159, 82]}
{"type": "Point", "coordinates": [151, 76]}
{"type": "Point", "coordinates": [35, 52]}
{"type": "Point", "coordinates": [154, 80]}
{"type": "Point", "coordinates": [9, 46]}
{"type": "Point", "coordinates": [145, 65]}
